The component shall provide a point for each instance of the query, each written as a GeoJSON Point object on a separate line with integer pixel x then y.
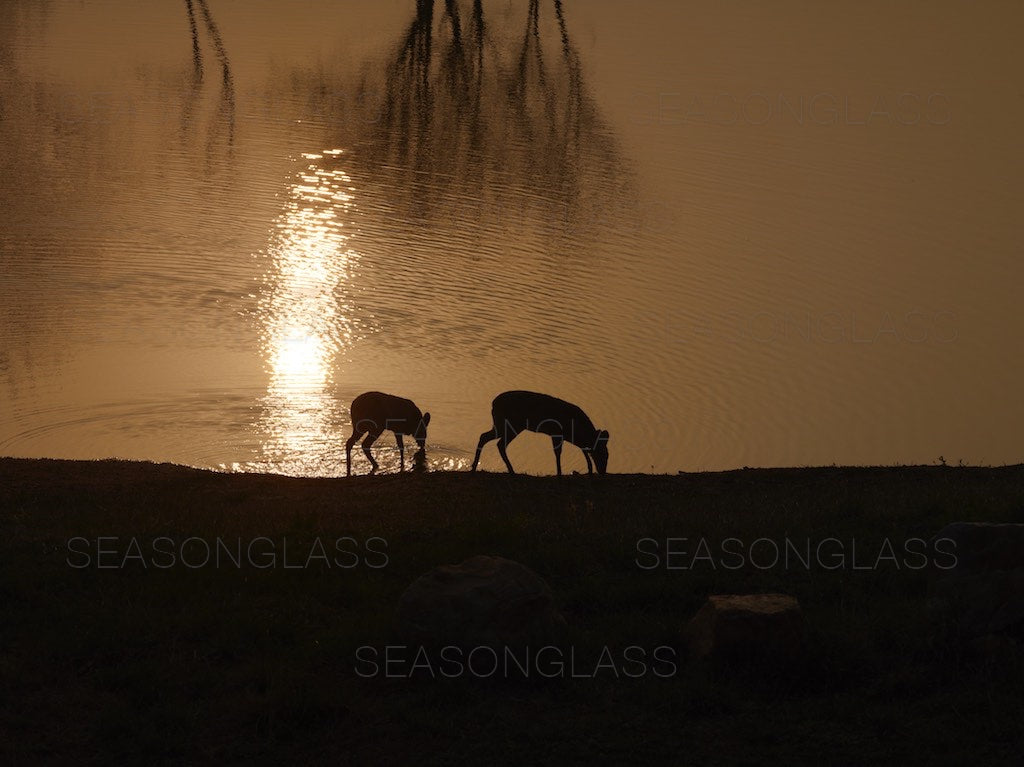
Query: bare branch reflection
{"type": "Point", "coordinates": [461, 118]}
{"type": "Point", "coordinates": [225, 115]}
{"type": "Point", "coordinates": [197, 55]}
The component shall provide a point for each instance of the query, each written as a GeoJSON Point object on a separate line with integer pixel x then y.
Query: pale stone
{"type": "Point", "coordinates": [747, 626]}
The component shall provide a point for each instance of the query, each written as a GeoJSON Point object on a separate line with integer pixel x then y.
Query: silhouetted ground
{"type": "Point", "coordinates": [230, 664]}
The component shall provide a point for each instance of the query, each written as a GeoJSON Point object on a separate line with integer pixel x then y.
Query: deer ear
{"type": "Point", "coordinates": [426, 419]}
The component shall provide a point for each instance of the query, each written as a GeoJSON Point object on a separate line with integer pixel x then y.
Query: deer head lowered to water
{"type": "Point", "coordinates": [373, 413]}
{"type": "Point", "coordinates": [514, 412]}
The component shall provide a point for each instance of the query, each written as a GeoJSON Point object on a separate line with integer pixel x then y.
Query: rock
{"type": "Point", "coordinates": [983, 592]}
{"type": "Point", "coordinates": [982, 547]}
{"type": "Point", "coordinates": [750, 626]}
{"type": "Point", "coordinates": [486, 600]}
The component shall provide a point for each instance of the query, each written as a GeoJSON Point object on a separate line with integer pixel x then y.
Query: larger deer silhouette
{"type": "Point", "coordinates": [514, 412]}
{"type": "Point", "coordinates": [373, 413]}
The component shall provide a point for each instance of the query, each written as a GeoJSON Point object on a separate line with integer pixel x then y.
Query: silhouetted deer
{"type": "Point", "coordinates": [517, 411]}
{"type": "Point", "coordinates": [373, 413]}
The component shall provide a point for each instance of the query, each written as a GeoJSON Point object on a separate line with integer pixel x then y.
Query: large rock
{"type": "Point", "coordinates": [979, 547]}
{"type": "Point", "coordinates": [747, 627]}
{"type": "Point", "coordinates": [982, 593]}
{"type": "Point", "coordinates": [486, 600]}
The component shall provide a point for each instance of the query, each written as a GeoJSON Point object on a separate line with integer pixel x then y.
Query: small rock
{"type": "Point", "coordinates": [749, 626]}
{"type": "Point", "coordinates": [486, 600]}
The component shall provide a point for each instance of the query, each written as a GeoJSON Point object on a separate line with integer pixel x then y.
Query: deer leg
{"type": "Point", "coordinates": [486, 437]}
{"type": "Point", "coordinates": [590, 464]}
{"type": "Point", "coordinates": [556, 443]}
{"type": "Point", "coordinates": [401, 451]}
{"type": "Point", "coordinates": [502, 444]}
{"type": "Point", "coordinates": [356, 434]}
{"type": "Point", "coordinates": [370, 439]}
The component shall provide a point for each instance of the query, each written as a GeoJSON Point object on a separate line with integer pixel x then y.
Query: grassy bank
{"type": "Point", "coordinates": [109, 650]}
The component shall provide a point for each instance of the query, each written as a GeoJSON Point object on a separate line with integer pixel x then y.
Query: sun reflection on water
{"type": "Point", "coordinates": [306, 319]}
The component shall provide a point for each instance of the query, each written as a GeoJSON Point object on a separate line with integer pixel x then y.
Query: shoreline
{"type": "Point", "coordinates": [137, 462]}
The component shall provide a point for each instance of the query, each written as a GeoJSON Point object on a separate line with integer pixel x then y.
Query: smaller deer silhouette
{"type": "Point", "coordinates": [373, 413]}
{"type": "Point", "coordinates": [514, 412]}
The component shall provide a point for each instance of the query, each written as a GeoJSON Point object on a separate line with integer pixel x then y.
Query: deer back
{"type": "Point", "coordinates": [516, 411]}
{"type": "Point", "coordinates": [385, 411]}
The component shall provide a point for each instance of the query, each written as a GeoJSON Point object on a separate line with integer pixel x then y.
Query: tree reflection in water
{"type": "Point", "coordinates": [464, 116]}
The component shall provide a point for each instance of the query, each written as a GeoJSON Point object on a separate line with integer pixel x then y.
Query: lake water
{"type": "Point", "coordinates": [734, 233]}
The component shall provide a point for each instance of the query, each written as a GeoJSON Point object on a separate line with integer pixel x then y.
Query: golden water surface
{"type": "Point", "coordinates": [734, 233]}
